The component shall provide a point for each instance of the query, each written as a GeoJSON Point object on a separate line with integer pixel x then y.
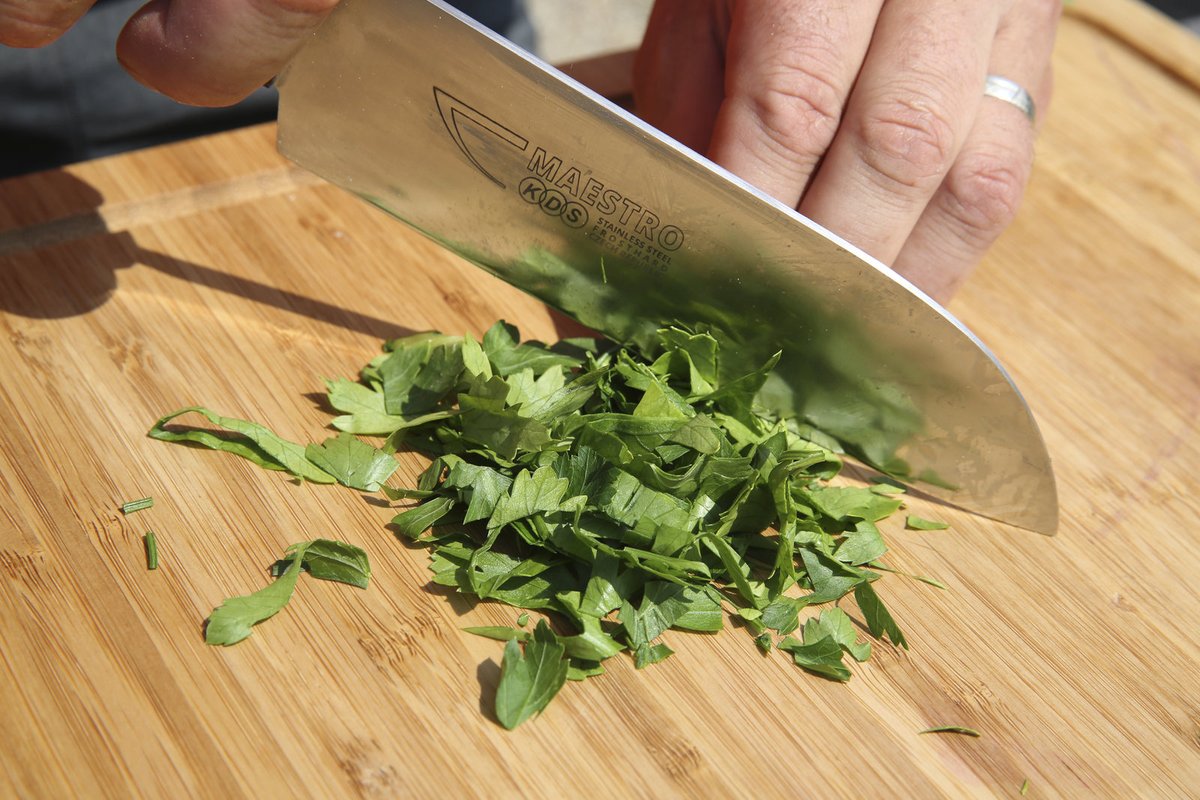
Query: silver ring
{"type": "Point", "coordinates": [1010, 92]}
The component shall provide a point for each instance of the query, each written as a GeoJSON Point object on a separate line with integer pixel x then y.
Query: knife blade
{"type": "Point", "coordinates": [477, 144]}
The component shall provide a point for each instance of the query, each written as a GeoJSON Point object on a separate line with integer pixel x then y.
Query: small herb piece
{"type": "Point", "coordinates": [523, 619]}
{"type": "Point", "coordinates": [502, 633]}
{"type": "Point", "coordinates": [953, 729]}
{"type": "Point", "coordinates": [137, 505]}
{"type": "Point", "coordinates": [329, 560]}
{"type": "Point", "coordinates": [914, 523]}
{"type": "Point", "coordinates": [353, 462]}
{"type": "Point", "coordinates": [1024, 787]}
{"type": "Point", "coordinates": [250, 441]}
{"type": "Point", "coordinates": [415, 521]}
{"type": "Point", "coordinates": [879, 621]}
{"type": "Point", "coordinates": [821, 657]}
{"type": "Point", "coordinates": [232, 621]}
{"type": "Point", "coordinates": [151, 544]}
{"type": "Point", "coordinates": [530, 679]}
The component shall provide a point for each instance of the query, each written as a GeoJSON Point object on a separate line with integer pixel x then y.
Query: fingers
{"type": "Point", "coordinates": [33, 23]}
{"type": "Point", "coordinates": [906, 121]}
{"type": "Point", "coordinates": [983, 189]}
{"type": "Point", "coordinates": [679, 70]}
{"type": "Point", "coordinates": [215, 52]}
{"type": "Point", "coordinates": [790, 65]}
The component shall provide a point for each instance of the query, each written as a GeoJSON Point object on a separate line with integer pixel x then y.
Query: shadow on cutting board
{"type": "Point", "coordinates": [68, 266]}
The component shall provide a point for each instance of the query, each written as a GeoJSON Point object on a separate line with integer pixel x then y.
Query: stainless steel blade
{"type": "Point", "coordinates": [504, 160]}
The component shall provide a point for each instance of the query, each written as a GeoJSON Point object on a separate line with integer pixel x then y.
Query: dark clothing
{"type": "Point", "coordinates": [71, 101]}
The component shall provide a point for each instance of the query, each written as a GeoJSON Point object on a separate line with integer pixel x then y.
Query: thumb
{"type": "Point", "coordinates": [215, 52]}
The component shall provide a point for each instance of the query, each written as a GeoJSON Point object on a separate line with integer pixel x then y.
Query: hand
{"type": "Point", "coordinates": [203, 52]}
{"type": "Point", "coordinates": [868, 116]}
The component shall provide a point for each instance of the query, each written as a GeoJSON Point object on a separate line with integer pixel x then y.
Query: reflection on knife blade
{"type": "Point", "coordinates": [525, 173]}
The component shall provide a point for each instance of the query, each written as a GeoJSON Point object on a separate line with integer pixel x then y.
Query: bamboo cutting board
{"type": "Point", "coordinates": [213, 273]}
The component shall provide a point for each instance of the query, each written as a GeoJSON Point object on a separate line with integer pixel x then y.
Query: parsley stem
{"type": "Point", "coordinates": [136, 505]}
{"type": "Point", "coordinates": [151, 550]}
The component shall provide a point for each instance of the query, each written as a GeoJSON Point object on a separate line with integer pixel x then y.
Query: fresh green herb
{"type": "Point", "coordinates": [918, 524]}
{"type": "Point", "coordinates": [233, 620]}
{"type": "Point", "coordinates": [879, 621]}
{"type": "Point", "coordinates": [249, 440]}
{"type": "Point", "coordinates": [625, 493]}
{"type": "Point", "coordinates": [953, 729]}
{"type": "Point", "coordinates": [502, 633]}
{"type": "Point", "coordinates": [825, 639]}
{"type": "Point", "coordinates": [530, 679]}
{"type": "Point", "coordinates": [137, 505]}
{"type": "Point", "coordinates": [329, 560]}
{"type": "Point", "coordinates": [353, 462]}
{"type": "Point", "coordinates": [1024, 787]}
{"type": "Point", "coordinates": [821, 657]}
{"type": "Point", "coordinates": [151, 544]}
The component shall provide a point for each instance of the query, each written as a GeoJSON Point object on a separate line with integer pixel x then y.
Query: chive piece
{"type": "Point", "coordinates": [953, 729]}
{"type": "Point", "coordinates": [136, 505]}
{"type": "Point", "coordinates": [151, 550]}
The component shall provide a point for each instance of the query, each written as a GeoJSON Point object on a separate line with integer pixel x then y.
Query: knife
{"type": "Point", "coordinates": [509, 163]}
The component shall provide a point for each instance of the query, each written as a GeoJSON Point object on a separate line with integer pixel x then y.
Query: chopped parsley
{"type": "Point", "coordinates": [622, 494]}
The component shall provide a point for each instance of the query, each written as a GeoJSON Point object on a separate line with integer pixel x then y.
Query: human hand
{"type": "Point", "coordinates": [867, 116]}
{"type": "Point", "coordinates": [202, 52]}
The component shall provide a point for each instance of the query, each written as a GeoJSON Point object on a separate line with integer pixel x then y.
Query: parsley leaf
{"type": "Point", "coordinates": [529, 680]}
{"type": "Point", "coordinates": [329, 560]}
{"type": "Point", "coordinates": [254, 442]}
{"type": "Point", "coordinates": [482, 487]}
{"type": "Point", "coordinates": [232, 621]}
{"type": "Point", "coordinates": [365, 412]}
{"type": "Point", "coordinates": [821, 657]}
{"type": "Point", "coordinates": [415, 521]}
{"type": "Point", "coordinates": [353, 462]}
{"type": "Point", "coordinates": [879, 621]}
{"type": "Point", "coordinates": [530, 493]}
{"type": "Point", "coordinates": [836, 624]}
{"type": "Point", "coordinates": [507, 356]}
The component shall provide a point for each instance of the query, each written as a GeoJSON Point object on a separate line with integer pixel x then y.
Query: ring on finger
{"type": "Point", "coordinates": [1012, 93]}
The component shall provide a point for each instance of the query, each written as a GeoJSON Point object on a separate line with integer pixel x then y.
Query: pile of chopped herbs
{"type": "Point", "coordinates": [620, 495]}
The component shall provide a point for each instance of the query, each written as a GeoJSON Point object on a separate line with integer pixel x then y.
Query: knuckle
{"type": "Point", "coordinates": [908, 143]}
{"type": "Point", "coordinates": [793, 91]}
{"type": "Point", "coordinates": [797, 110]}
{"type": "Point", "coordinates": [983, 194]}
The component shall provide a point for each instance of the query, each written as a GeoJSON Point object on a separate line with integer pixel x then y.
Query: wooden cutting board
{"type": "Point", "coordinates": [213, 273]}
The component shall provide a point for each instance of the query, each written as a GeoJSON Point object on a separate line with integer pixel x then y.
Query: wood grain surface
{"type": "Point", "coordinates": [213, 273]}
